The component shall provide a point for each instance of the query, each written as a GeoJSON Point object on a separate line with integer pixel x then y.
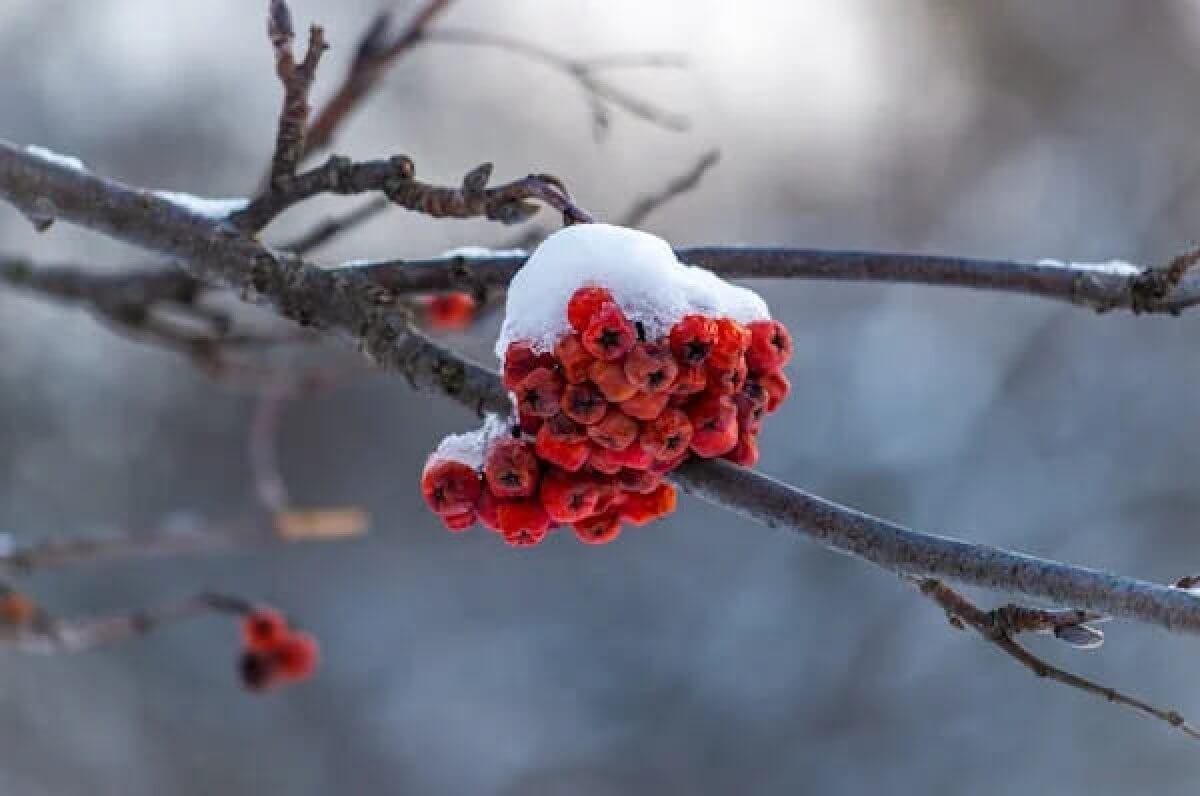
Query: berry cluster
{"type": "Point", "coordinates": [273, 652]}
{"type": "Point", "coordinates": [604, 416]}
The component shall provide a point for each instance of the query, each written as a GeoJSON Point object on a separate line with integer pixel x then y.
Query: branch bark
{"type": "Point", "coordinates": [1101, 287]}
{"type": "Point", "coordinates": [349, 302]}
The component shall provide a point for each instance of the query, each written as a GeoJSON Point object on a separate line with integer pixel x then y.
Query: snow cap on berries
{"type": "Point", "coordinates": [647, 281]}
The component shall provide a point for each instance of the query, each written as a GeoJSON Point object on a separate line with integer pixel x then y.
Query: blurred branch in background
{"type": "Point", "coordinates": [26, 627]}
{"type": "Point", "coordinates": [180, 536]}
{"type": "Point", "coordinates": [586, 72]}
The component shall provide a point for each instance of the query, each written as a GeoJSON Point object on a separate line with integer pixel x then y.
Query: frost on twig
{"type": "Point", "coordinates": [1001, 625]}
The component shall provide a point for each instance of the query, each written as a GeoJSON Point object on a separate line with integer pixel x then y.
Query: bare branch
{"type": "Point", "coordinates": [642, 208]}
{"type": "Point", "coordinates": [38, 632]}
{"type": "Point", "coordinates": [997, 628]}
{"type": "Point", "coordinates": [377, 50]}
{"type": "Point", "coordinates": [331, 228]}
{"type": "Point", "coordinates": [585, 72]}
{"type": "Point", "coordinates": [1098, 287]}
{"type": "Point", "coordinates": [637, 214]}
{"type": "Point", "coordinates": [510, 203]}
{"type": "Point", "coordinates": [348, 302]}
{"type": "Point", "coordinates": [163, 307]}
{"type": "Point", "coordinates": [297, 79]}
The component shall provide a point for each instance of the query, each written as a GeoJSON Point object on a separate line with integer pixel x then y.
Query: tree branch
{"type": "Point", "coordinates": [1102, 287]}
{"type": "Point", "coordinates": [34, 631]}
{"type": "Point", "coordinates": [348, 302]}
{"type": "Point", "coordinates": [998, 627]}
{"type": "Point", "coordinates": [509, 203]}
{"type": "Point", "coordinates": [585, 72]}
{"type": "Point", "coordinates": [297, 80]}
{"type": "Point", "coordinates": [377, 50]}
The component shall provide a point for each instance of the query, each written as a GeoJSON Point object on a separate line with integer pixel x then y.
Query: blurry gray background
{"type": "Point", "coordinates": [703, 654]}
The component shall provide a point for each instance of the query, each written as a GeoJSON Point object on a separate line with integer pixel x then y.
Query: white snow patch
{"type": "Point", "coordinates": [471, 448]}
{"type": "Point", "coordinates": [216, 209]}
{"type": "Point", "coordinates": [66, 161]}
{"type": "Point", "coordinates": [640, 269]}
{"type": "Point", "coordinates": [1112, 267]}
{"type": "Point", "coordinates": [482, 251]}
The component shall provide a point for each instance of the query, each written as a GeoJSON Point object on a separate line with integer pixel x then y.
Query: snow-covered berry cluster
{"type": "Point", "coordinates": [273, 652]}
{"type": "Point", "coordinates": [643, 363]}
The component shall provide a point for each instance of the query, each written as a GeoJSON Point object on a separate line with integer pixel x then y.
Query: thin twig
{"type": "Point", "coordinates": [993, 627]}
{"type": "Point", "coordinates": [641, 209]}
{"type": "Point", "coordinates": [297, 80]}
{"type": "Point", "coordinates": [510, 203]}
{"type": "Point", "coordinates": [585, 72]}
{"type": "Point", "coordinates": [377, 50]}
{"type": "Point", "coordinates": [44, 634]}
{"type": "Point", "coordinates": [334, 227]}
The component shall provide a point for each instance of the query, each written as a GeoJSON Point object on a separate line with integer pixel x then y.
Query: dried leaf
{"type": "Point", "coordinates": [337, 523]}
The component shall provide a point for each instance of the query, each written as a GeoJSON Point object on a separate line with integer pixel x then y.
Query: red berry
{"type": "Point", "coordinates": [520, 361]}
{"type": "Point", "coordinates": [450, 487]}
{"type": "Point", "coordinates": [600, 529]}
{"type": "Point", "coordinates": [584, 403]}
{"type": "Point", "coordinates": [643, 509]}
{"type": "Point", "coordinates": [568, 498]}
{"type": "Point", "coordinates": [691, 380]}
{"type": "Point", "coordinates": [511, 469]}
{"type": "Point", "coordinates": [540, 393]}
{"type": "Point", "coordinates": [770, 346]}
{"type": "Point", "coordinates": [262, 629]}
{"type": "Point", "coordinates": [451, 311]}
{"type": "Point", "coordinates": [527, 423]}
{"type": "Point", "coordinates": [646, 406]}
{"type": "Point", "coordinates": [458, 522]}
{"type": "Point", "coordinates": [668, 435]}
{"type": "Point", "coordinates": [603, 460]}
{"type": "Point", "coordinates": [609, 378]}
{"type": "Point", "coordinates": [714, 426]}
{"type": "Point", "coordinates": [727, 381]}
{"type": "Point", "coordinates": [732, 341]}
{"type": "Point", "coordinates": [665, 466]}
{"type": "Point", "coordinates": [523, 523]}
{"type": "Point", "coordinates": [745, 453]}
{"type": "Point", "coordinates": [615, 432]}
{"type": "Point", "coordinates": [562, 442]}
{"type": "Point", "coordinates": [634, 456]}
{"type": "Point", "coordinates": [777, 386]}
{"type": "Point", "coordinates": [584, 304]}
{"type": "Point", "coordinates": [610, 496]}
{"type": "Point", "coordinates": [610, 335]}
{"type": "Point", "coordinates": [296, 656]}
{"type": "Point", "coordinates": [650, 367]}
{"type": "Point", "coordinates": [574, 359]}
{"type": "Point", "coordinates": [641, 481]}
{"type": "Point", "coordinates": [693, 338]}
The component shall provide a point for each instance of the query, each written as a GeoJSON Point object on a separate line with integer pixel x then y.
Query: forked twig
{"type": "Point", "coordinates": [1000, 625]}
